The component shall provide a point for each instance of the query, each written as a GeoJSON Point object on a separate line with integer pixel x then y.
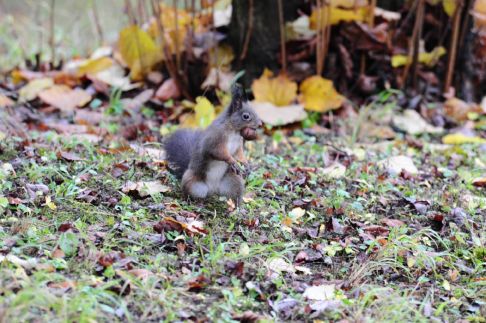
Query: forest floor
{"type": "Point", "coordinates": [332, 227]}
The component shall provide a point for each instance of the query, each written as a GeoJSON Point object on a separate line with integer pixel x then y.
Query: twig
{"type": "Point", "coordinates": [370, 19]}
{"type": "Point", "coordinates": [130, 13]}
{"type": "Point", "coordinates": [96, 19]}
{"type": "Point", "coordinates": [249, 31]}
{"type": "Point", "coordinates": [451, 62]}
{"type": "Point", "coordinates": [323, 34]}
{"type": "Point", "coordinates": [169, 62]}
{"type": "Point", "coordinates": [176, 39]}
{"type": "Point", "coordinates": [281, 24]}
{"type": "Point", "coordinates": [414, 42]}
{"type": "Point", "coordinates": [52, 41]}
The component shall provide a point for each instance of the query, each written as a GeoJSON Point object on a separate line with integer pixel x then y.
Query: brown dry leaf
{"type": "Point", "coordinates": [64, 98]}
{"type": "Point", "coordinates": [279, 116]}
{"type": "Point", "coordinates": [138, 50]}
{"type": "Point", "coordinates": [33, 88]}
{"type": "Point", "coordinates": [479, 182]}
{"type": "Point", "coordinates": [5, 101]}
{"type": "Point", "coordinates": [392, 222]}
{"type": "Point", "coordinates": [458, 109]}
{"type": "Point", "coordinates": [189, 225]}
{"type": "Point", "coordinates": [141, 273]}
{"type": "Point", "coordinates": [279, 90]}
{"type": "Point", "coordinates": [168, 90]}
{"type": "Point", "coordinates": [479, 13]}
{"type": "Point", "coordinates": [58, 253]}
{"type": "Point", "coordinates": [319, 94]}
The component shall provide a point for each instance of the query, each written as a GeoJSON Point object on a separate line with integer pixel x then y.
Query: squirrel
{"type": "Point", "coordinates": [206, 160]}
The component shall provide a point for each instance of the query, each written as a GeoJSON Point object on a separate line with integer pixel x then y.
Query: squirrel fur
{"type": "Point", "coordinates": [206, 160]}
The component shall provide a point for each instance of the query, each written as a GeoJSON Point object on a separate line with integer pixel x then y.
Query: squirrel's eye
{"type": "Point", "coordinates": [245, 116]}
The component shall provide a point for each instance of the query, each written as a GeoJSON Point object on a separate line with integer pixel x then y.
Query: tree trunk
{"type": "Point", "coordinates": [264, 42]}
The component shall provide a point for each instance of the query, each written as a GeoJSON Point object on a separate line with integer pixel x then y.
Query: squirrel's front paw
{"type": "Point", "coordinates": [237, 169]}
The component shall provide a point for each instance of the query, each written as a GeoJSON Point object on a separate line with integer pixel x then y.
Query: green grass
{"type": "Point", "coordinates": [416, 272]}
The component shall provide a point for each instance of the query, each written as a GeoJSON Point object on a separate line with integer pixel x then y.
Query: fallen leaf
{"type": "Point", "coordinates": [479, 182]}
{"type": "Point", "coordinates": [396, 164]}
{"type": "Point", "coordinates": [279, 116]}
{"type": "Point", "coordinates": [145, 189]}
{"type": "Point", "coordinates": [33, 88]}
{"type": "Point", "coordinates": [65, 98]}
{"type": "Point", "coordinates": [392, 223]}
{"type": "Point", "coordinates": [459, 110]}
{"type": "Point", "coordinates": [334, 171]}
{"type": "Point", "coordinates": [93, 66]}
{"type": "Point", "coordinates": [429, 59]}
{"type": "Point", "coordinates": [188, 224]}
{"type": "Point", "coordinates": [279, 90]}
{"type": "Point", "coordinates": [218, 79]}
{"type": "Point", "coordinates": [327, 15]}
{"type": "Point", "coordinates": [27, 264]}
{"type": "Point", "coordinates": [318, 94]}
{"type": "Point", "coordinates": [114, 76]}
{"type": "Point", "coordinates": [320, 293]}
{"type": "Point", "coordinates": [6, 102]}
{"type": "Point", "coordinates": [69, 156]}
{"type": "Point", "coordinates": [411, 122]}
{"type": "Point", "coordinates": [139, 101]}
{"type": "Point", "coordinates": [168, 90]}
{"type": "Point", "coordinates": [141, 273]}
{"type": "Point", "coordinates": [138, 50]}
{"type": "Point", "coordinates": [460, 139]}
{"type": "Point", "coordinates": [279, 265]}
{"type": "Point", "coordinates": [204, 114]}
{"type": "Point", "coordinates": [50, 204]}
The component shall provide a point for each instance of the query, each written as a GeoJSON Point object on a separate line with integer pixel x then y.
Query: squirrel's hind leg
{"type": "Point", "coordinates": [193, 187]}
{"type": "Point", "coordinates": [232, 186]}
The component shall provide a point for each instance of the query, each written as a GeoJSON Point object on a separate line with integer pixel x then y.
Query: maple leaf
{"type": "Point", "coordinates": [138, 50]}
{"type": "Point", "coordinates": [279, 90]}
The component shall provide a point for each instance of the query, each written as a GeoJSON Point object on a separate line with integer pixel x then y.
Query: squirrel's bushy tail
{"type": "Point", "coordinates": [179, 148]}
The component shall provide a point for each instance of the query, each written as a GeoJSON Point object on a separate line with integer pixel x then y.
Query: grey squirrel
{"type": "Point", "coordinates": [206, 160]}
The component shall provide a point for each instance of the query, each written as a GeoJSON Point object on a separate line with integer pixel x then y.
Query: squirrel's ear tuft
{"type": "Point", "coordinates": [238, 97]}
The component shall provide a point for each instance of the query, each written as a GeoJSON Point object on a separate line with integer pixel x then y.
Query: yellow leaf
{"type": "Point", "coordinates": [279, 90]}
{"type": "Point", "coordinates": [449, 7]}
{"type": "Point", "coordinates": [34, 87]}
{"type": "Point", "coordinates": [332, 16]}
{"type": "Point", "coordinates": [221, 57]}
{"type": "Point", "coordinates": [459, 139]}
{"type": "Point", "coordinates": [93, 66]}
{"type": "Point", "coordinates": [429, 59]}
{"type": "Point", "coordinates": [50, 204]}
{"type": "Point", "coordinates": [203, 116]}
{"type": "Point", "coordinates": [318, 94]}
{"type": "Point", "coordinates": [175, 24]}
{"type": "Point", "coordinates": [138, 50]}
{"type": "Point", "coordinates": [348, 3]}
